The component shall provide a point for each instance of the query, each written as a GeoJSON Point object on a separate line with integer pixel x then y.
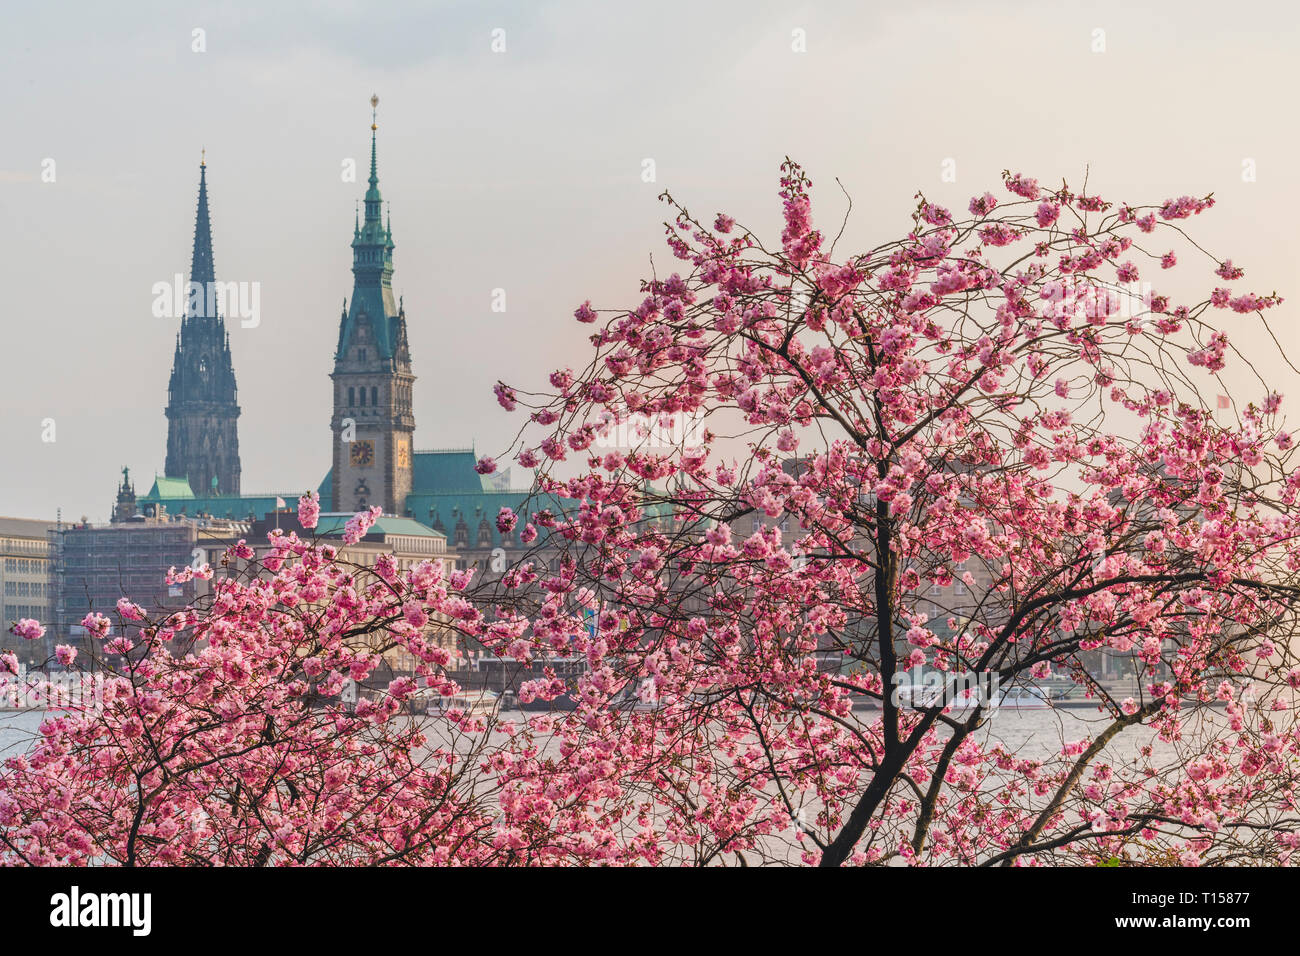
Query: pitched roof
{"type": "Point", "coordinates": [432, 472]}
{"type": "Point", "coordinates": [386, 525]}
{"type": "Point", "coordinates": [169, 488]}
{"type": "Point", "coordinates": [235, 507]}
{"type": "Point", "coordinates": [24, 527]}
{"type": "Point", "coordinates": [447, 508]}
{"type": "Point", "coordinates": [177, 495]}
{"type": "Point", "coordinates": [442, 470]}
{"type": "Point", "coordinates": [445, 487]}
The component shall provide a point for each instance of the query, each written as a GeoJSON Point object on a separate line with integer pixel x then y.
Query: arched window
{"type": "Point", "coordinates": [374, 395]}
{"type": "Point", "coordinates": [363, 396]}
{"type": "Point", "coordinates": [352, 395]}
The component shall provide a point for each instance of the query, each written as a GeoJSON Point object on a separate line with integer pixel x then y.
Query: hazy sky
{"type": "Point", "coordinates": [522, 170]}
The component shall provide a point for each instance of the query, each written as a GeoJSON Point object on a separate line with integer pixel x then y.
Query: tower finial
{"type": "Point", "coordinates": [203, 156]}
{"type": "Point", "coordinates": [374, 161]}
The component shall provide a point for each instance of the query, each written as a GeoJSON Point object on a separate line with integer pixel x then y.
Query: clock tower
{"type": "Point", "coordinates": [373, 421]}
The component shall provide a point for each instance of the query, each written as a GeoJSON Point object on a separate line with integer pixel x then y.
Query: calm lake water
{"type": "Point", "coordinates": [1038, 734]}
{"type": "Point", "coordinates": [1027, 733]}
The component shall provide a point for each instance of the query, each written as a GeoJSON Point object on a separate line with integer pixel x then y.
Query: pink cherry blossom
{"type": "Point", "coordinates": [309, 509]}
{"type": "Point", "coordinates": [720, 628]}
{"type": "Point", "coordinates": [28, 629]}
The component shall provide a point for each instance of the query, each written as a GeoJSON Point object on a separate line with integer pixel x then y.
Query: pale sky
{"type": "Point", "coordinates": [522, 171]}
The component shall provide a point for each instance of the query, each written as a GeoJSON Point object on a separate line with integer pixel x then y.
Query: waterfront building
{"type": "Point", "coordinates": [408, 541]}
{"type": "Point", "coordinates": [26, 581]}
{"type": "Point", "coordinates": [95, 564]}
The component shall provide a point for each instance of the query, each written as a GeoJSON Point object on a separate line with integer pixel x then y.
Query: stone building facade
{"type": "Point", "coordinates": [373, 422]}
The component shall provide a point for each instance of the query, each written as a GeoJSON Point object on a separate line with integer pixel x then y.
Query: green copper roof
{"type": "Point", "coordinates": [444, 510]}
{"type": "Point", "coordinates": [234, 507]}
{"type": "Point", "coordinates": [450, 470]}
{"type": "Point", "coordinates": [446, 488]}
{"type": "Point", "coordinates": [334, 524]}
{"type": "Point", "coordinates": [169, 488]}
{"type": "Point", "coordinates": [372, 272]}
{"type": "Point", "coordinates": [431, 471]}
{"type": "Point", "coordinates": [179, 499]}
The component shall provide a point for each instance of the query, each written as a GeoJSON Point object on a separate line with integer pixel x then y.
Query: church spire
{"type": "Point", "coordinates": [202, 399]}
{"type": "Point", "coordinates": [202, 270]}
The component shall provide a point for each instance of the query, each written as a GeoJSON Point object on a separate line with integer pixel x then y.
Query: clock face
{"type": "Point", "coordinates": [403, 454]}
{"type": "Point", "coordinates": [363, 453]}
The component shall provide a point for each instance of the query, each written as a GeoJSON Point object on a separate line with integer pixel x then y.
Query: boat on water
{"type": "Point", "coordinates": [478, 702]}
{"type": "Point", "coordinates": [1026, 697]}
{"type": "Point", "coordinates": [957, 700]}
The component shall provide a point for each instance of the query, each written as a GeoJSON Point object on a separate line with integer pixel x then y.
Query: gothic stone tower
{"type": "Point", "coordinates": [202, 437]}
{"type": "Point", "coordinates": [373, 420]}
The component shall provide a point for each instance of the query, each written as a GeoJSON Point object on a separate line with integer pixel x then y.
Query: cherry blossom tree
{"type": "Point", "coordinates": [219, 736]}
{"type": "Point", "coordinates": [994, 402]}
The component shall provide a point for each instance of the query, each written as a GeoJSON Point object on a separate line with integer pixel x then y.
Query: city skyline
{"type": "Point", "coordinates": [480, 433]}
{"type": "Point", "coordinates": [523, 170]}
